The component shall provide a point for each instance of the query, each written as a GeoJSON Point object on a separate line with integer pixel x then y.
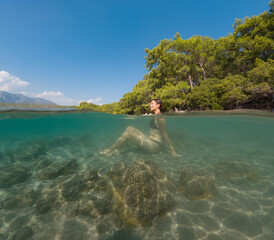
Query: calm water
{"type": "Point", "coordinates": [54, 184]}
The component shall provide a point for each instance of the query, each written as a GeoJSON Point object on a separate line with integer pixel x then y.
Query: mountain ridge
{"type": "Point", "coordinates": [6, 97]}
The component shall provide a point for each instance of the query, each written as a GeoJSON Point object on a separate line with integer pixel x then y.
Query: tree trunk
{"type": "Point", "coordinates": [203, 70]}
{"type": "Point", "coordinates": [190, 81]}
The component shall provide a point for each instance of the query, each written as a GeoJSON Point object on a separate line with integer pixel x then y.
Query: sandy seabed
{"type": "Point", "coordinates": [60, 187]}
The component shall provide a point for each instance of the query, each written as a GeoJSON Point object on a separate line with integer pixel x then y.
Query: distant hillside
{"type": "Point", "coordinates": [6, 97]}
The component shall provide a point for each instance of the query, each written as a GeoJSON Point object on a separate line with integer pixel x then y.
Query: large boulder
{"type": "Point", "coordinates": [143, 192]}
{"type": "Point", "coordinates": [196, 184]}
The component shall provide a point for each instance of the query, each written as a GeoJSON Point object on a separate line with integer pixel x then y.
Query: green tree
{"type": "Point", "coordinates": [203, 73]}
{"type": "Point", "coordinates": [262, 72]}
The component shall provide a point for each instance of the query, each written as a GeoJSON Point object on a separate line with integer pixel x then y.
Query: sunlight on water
{"type": "Point", "coordinates": [54, 183]}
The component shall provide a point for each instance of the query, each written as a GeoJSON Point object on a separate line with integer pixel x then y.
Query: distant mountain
{"type": "Point", "coordinates": [6, 97]}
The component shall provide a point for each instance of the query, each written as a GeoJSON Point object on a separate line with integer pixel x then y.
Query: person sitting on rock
{"type": "Point", "coordinates": [151, 143]}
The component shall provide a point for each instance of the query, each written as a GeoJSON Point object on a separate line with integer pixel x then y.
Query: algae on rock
{"type": "Point", "coordinates": [143, 192]}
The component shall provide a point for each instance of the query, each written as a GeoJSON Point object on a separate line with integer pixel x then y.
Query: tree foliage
{"type": "Point", "coordinates": [204, 73]}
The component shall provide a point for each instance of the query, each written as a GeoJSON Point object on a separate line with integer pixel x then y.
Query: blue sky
{"type": "Point", "coordinates": [86, 50]}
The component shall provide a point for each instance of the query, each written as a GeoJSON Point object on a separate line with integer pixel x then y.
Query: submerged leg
{"type": "Point", "coordinates": [136, 136]}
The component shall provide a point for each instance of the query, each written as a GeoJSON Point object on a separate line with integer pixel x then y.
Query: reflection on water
{"type": "Point", "coordinates": [54, 184]}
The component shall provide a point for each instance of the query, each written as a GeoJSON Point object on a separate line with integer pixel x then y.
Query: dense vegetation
{"type": "Point", "coordinates": [236, 71]}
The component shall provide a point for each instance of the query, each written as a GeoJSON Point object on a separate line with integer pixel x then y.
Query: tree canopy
{"type": "Point", "coordinates": [236, 71]}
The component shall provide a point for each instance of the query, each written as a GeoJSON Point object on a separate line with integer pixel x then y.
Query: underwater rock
{"type": "Point", "coordinates": [145, 194]}
{"type": "Point", "coordinates": [11, 203]}
{"type": "Point", "coordinates": [91, 174]}
{"type": "Point", "coordinates": [103, 227]}
{"type": "Point", "coordinates": [3, 237]}
{"type": "Point", "coordinates": [57, 169]}
{"type": "Point", "coordinates": [102, 184]}
{"type": "Point", "coordinates": [45, 233]}
{"type": "Point", "coordinates": [196, 184]}
{"type": "Point", "coordinates": [30, 151]}
{"type": "Point", "coordinates": [8, 216]}
{"type": "Point", "coordinates": [96, 203]}
{"type": "Point", "coordinates": [73, 188]}
{"type": "Point", "coordinates": [125, 233]}
{"type": "Point", "coordinates": [94, 207]}
{"type": "Point", "coordinates": [107, 225]}
{"type": "Point", "coordinates": [44, 162]}
{"type": "Point", "coordinates": [48, 201]}
{"type": "Point", "coordinates": [42, 206]}
{"type": "Point", "coordinates": [23, 233]}
{"type": "Point", "coordinates": [236, 172]}
{"type": "Point", "coordinates": [86, 208]}
{"type": "Point", "coordinates": [115, 173]}
{"type": "Point", "coordinates": [102, 202]}
{"type": "Point", "coordinates": [74, 230]}
{"type": "Point", "coordinates": [12, 175]}
{"type": "Point", "coordinates": [79, 183]}
{"type": "Point", "coordinates": [35, 149]}
{"type": "Point", "coordinates": [22, 199]}
{"type": "Point", "coordinates": [70, 209]}
{"type": "Point", "coordinates": [19, 222]}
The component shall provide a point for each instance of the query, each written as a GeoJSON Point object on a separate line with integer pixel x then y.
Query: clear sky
{"type": "Point", "coordinates": [93, 50]}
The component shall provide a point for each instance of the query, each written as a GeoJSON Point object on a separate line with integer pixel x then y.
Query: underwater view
{"type": "Point", "coordinates": [55, 184]}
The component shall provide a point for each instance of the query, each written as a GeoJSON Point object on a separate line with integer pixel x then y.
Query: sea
{"type": "Point", "coordinates": [56, 184]}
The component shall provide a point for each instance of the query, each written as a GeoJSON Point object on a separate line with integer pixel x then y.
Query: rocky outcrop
{"type": "Point", "coordinates": [143, 192]}
{"type": "Point", "coordinates": [196, 184]}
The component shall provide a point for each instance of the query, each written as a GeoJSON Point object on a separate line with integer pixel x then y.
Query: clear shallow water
{"type": "Point", "coordinates": [54, 184]}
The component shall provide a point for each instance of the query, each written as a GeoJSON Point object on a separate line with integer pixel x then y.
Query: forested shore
{"type": "Point", "coordinates": [201, 73]}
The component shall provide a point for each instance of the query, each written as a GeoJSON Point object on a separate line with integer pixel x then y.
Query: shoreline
{"type": "Point", "coordinates": [14, 109]}
{"type": "Point", "coordinates": [253, 112]}
{"type": "Point", "coordinates": [230, 110]}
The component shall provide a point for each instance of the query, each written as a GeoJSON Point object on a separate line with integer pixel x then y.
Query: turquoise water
{"type": "Point", "coordinates": [54, 183]}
